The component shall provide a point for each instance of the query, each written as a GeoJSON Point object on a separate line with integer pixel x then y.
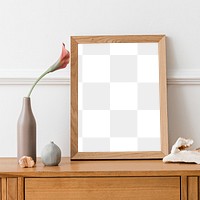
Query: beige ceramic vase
{"type": "Point", "coordinates": [26, 131]}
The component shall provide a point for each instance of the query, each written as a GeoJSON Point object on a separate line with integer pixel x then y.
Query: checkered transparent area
{"type": "Point", "coordinates": [118, 97]}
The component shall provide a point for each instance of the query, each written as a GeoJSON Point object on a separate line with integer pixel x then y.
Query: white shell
{"type": "Point", "coordinates": [181, 143]}
{"type": "Point", "coordinates": [26, 161]}
{"type": "Point", "coordinates": [179, 154]}
{"type": "Point", "coordinates": [183, 156]}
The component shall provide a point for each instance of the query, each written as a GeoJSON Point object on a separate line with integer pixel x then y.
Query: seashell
{"type": "Point", "coordinates": [51, 154]}
{"type": "Point", "coordinates": [183, 156]}
{"type": "Point", "coordinates": [26, 161]}
{"type": "Point", "coordinates": [180, 154]}
{"type": "Point", "coordinates": [181, 144]}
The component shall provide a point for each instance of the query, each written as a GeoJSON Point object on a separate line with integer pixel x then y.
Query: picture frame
{"type": "Point", "coordinates": [117, 151]}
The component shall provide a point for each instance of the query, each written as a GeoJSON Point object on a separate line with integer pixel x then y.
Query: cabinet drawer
{"type": "Point", "coordinates": [145, 188]}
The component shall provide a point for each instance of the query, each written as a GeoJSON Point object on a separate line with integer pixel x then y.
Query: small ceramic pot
{"type": "Point", "coordinates": [51, 154]}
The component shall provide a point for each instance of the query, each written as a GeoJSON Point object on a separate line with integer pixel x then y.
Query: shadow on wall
{"type": "Point", "coordinates": [184, 113]}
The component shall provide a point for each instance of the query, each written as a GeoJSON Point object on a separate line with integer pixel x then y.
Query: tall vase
{"type": "Point", "coordinates": [26, 131]}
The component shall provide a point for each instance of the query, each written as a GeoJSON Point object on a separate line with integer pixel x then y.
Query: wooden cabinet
{"type": "Point", "coordinates": [99, 180]}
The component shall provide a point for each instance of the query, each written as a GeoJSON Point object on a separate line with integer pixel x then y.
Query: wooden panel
{"type": "Point", "coordinates": [3, 188]}
{"type": "Point", "coordinates": [11, 188]}
{"type": "Point", "coordinates": [163, 96]}
{"type": "Point", "coordinates": [184, 188]}
{"type": "Point", "coordinates": [20, 188]}
{"type": "Point", "coordinates": [193, 188]}
{"type": "Point", "coordinates": [74, 97]}
{"type": "Point", "coordinates": [145, 188]}
{"type": "Point", "coordinates": [118, 155]}
{"type": "Point", "coordinates": [0, 188]}
{"type": "Point", "coordinates": [117, 38]}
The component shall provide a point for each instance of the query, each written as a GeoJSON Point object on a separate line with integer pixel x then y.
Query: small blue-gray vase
{"type": "Point", "coordinates": [51, 154]}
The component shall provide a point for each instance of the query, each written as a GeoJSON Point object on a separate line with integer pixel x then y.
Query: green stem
{"type": "Point", "coordinates": [46, 72]}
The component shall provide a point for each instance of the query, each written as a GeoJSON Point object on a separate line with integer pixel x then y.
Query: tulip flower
{"type": "Point", "coordinates": [61, 63]}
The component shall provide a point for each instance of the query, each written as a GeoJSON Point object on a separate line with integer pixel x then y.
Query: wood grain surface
{"type": "Point", "coordinates": [67, 168]}
{"type": "Point", "coordinates": [153, 188]}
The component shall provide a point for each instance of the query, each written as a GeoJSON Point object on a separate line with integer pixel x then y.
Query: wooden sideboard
{"type": "Point", "coordinates": [100, 180]}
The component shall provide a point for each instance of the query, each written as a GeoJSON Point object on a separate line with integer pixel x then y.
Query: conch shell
{"type": "Point", "coordinates": [26, 161]}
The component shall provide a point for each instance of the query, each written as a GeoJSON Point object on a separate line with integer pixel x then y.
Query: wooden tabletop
{"type": "Point", "coordinates": [67, 168]}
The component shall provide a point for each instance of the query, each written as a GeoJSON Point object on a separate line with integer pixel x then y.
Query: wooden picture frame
{"type": "Point", "coordinates": [160, 40]}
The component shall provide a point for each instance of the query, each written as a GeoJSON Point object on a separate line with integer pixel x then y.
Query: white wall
{"type": "Point", "coordinates": [31, 33]}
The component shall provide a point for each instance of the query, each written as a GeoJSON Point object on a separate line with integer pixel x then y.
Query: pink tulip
{"type": "Point", "coordinates": [61, 63]}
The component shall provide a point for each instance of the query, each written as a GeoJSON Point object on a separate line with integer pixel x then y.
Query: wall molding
{"type": "Point", "coordinates": [183, 81]}
{"type": "Point", "coordinates": [30, 81]}
{"type": "Point", "coordinates": [28, 77]}
{"type": "Point", "coordinates": [183, 77]}
{"type": "Point", "coordinates": [22, 77]}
